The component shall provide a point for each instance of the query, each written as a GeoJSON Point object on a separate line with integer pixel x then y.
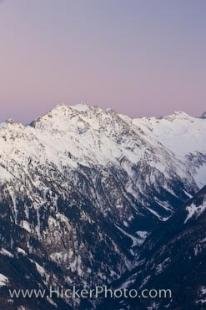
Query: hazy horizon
{"type": "Point", "coordinates": [139, 58]}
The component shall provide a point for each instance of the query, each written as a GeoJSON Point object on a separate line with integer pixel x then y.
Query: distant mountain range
{"type": "Point", "coordinates": [87, 194]}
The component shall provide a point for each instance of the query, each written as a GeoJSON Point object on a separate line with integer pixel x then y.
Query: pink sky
{"type": "Point", "coordinates": [137, 57]}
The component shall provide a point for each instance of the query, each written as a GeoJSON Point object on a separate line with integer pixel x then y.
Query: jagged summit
{"type": "Point", "coordinates": [179, 115]}
{"type": "Point", "coordinates": [63, 108]}
{"type": "Point", "coordinates": [92, 135]}
{"type": "Point", "coordinates": [64, 111]}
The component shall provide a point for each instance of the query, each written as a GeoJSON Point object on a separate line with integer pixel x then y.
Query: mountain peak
{"type": "Point", "coordinates": [63, 108]}
{"type": "Point", "coordinates": [66, 110]}
{"type": "Point", "coordinates": [179, 115]}
{"type": "Point", "coordinates": [60, 109]}
{"type": "Point", "coordinates": [81, 107]}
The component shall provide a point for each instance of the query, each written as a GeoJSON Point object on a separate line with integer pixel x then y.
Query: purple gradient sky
{"type": "Point", "coordinates": [138, 57]}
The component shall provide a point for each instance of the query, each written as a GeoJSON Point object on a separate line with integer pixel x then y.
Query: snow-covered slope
{"type": "Point", "coordinates": [184, 136]}
{"type": "Point", "coordinates": [69, 136]}
{"type": "Point", "coordinates": [80, 190]}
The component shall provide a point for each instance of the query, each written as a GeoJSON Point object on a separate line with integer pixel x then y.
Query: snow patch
{"type": "Point", "coordinates": [3, 280]}
{"type": "Point", "coordinates": [194, 211]}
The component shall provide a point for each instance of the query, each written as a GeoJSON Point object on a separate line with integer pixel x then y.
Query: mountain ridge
{"type": "Point", "coordinates": [88, 186]}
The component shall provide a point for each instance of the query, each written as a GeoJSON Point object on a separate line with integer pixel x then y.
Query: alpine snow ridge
{"type": "Point", "coordinates": [82, 188]}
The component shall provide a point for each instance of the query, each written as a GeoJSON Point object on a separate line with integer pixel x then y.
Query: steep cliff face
{"type": "Point", "coordinates": [81, 189]}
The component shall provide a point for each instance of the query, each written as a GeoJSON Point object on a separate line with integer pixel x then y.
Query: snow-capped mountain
{"type": "Point", "coordinates": [185, 136]}
{"type": "Point", "coordinates": [81, 188]}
